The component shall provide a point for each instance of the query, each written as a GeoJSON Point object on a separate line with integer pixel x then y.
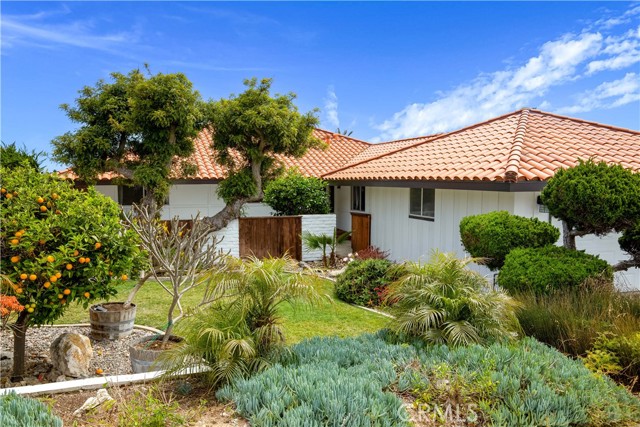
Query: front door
{"type": "Point", "coordinates": [360, 231]}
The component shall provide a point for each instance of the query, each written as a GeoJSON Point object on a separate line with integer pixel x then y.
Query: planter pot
{"type": "Point", "coordinates": [110, 321]}
{"type": "Point", "coordinates": [144, 353]}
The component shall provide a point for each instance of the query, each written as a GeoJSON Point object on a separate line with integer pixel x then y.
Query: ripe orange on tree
{"type": "Point", "coordinates": [43, 208]}
{"type": "Point", "coordinates": [32, 277]}
{"type": "Point", "coordinates": [81, 260]}
{"type": "Point", "coordinates": [50, 258]}
{"type": "Point", "coordinates": [76, 253]}
{"type": "Point", "coordinates": [87, 294]}
{"type": "Point", "coordinates": [125, 277]}
{"type": "Point", "coordinates": [23, 276]}
{"type": "Point", "coordinates": [98, 245]}
{"type": "Point", "coordinates": [8, 195]}
{"type": "Point", "coordinates": [53, 279]}
{"type": "Point", "coordinates": [69, 266]}
{"type": "Point", "coordinates": [58, 274]}
{"type": "Point", "coordinates": [40, 200]}
{"type": "Point", "coordinates": [15, 259]}
{"type": "Point", "coordinates": [66, 291]}
{"type": "Point", "coordinates": [47, 285]}
{"type": "Point", "coordinates": [15, 242]}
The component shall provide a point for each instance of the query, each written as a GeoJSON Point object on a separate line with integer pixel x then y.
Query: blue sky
{"type": "Point", "coordinates": [383, 70]}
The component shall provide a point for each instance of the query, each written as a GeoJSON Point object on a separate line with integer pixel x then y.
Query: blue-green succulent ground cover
{"type": "Point", "coordinates": [359, 382]}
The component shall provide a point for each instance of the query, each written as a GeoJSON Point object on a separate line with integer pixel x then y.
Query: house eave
{"type": "Point", "coordinates": [511, 187]}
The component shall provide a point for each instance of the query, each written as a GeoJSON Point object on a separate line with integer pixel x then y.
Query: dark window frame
{"type": "Point", "coordinates": [127, 195]}
{"type": "Point", "coordinates": [428, 215]}
{"type": "Point", "coordinates": [358, 198]}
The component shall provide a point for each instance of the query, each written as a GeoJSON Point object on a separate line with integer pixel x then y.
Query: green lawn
{"type": "Point", "coordinates": [332, 317]}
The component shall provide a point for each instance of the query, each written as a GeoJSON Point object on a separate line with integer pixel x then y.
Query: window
{"type": "Point", "coordinates": [332, 198]}
{"type": "Point", "coordinates": [357, 199]}
{"type": "Point", "coordinates": [422, 203]}
{"type": "Point", "coordinates": [129, 195]}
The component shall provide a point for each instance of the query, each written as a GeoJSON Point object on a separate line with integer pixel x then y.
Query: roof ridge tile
{"type": "Point", "coordinates": [513, 161]}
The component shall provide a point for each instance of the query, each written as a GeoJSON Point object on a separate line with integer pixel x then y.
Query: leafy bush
{"type": "Point", "coordinates": [524, 383]}
{"type": "Point", "coordinates": [630, 240]}
{"type": "Point", "coordinates": [365, 282]}
{"type": "Point", "coordinates": [493, 235]}
{"type": "Point", "coordinates": [542, 270]}
{"type": "Point", "coordinates": [444, 302]}
{"type": "Point", "coordinates": [236, 186]}
{"type": "Point", "coordinates": [19, 411]}
{"type": "Point", "coordinates": [295, 194]}
{"type": "Point", "coordinates": [623, 351]}
{"type": "Point", "coordinates": [594, 197]}
{"type": "Point", "coordinates": [372, 252]}
{"type": "Point", "coordinates": [572, 320]}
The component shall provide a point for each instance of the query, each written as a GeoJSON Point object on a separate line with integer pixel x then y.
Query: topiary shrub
{"type": "Point", "coordinates": [493, 235]}
{"type": "Point", "coordinates": [295, 194]}
{"type": "Point", "coordinates": [542, 270]}
{"type": "Point", "coordinates": [365, 282]}
{"type": "Point", "coordinates": [18, 411]}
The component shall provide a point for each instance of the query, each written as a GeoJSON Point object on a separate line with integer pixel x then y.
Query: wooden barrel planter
{"type": "Point", "coordinates": [144, 353]}
{"type": "Point", "coordinates": [110, 321]}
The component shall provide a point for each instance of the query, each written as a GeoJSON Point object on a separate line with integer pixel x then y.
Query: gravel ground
{"type": "Point", "coordinates": [110, 356]}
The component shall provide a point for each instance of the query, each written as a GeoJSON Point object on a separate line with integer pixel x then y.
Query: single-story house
{"type": "Point", "coordinates": [408, 196]}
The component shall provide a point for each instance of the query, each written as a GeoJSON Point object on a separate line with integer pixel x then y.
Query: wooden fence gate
{"type": "Point", "coordinates": [271, 236]}
{"type": "Point", "coordinates": [360, 231]}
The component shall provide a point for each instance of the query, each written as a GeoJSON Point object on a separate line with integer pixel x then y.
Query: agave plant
{"type": "Point", "coordinates": [242, 332]}
{"type": "Point", "coordinates": [444, 302]}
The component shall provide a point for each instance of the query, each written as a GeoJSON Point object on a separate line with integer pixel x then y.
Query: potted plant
{"type": "Point", "coordinates": [179, 252]}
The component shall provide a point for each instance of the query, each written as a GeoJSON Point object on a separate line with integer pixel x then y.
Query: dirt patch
{"type": "Point", "coordinates": [176, 402]}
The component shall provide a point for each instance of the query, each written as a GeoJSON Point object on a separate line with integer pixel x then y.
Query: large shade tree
{"type": "Point", "coordinates": [137, 125]}
{"type": "Point", "coordinates": [597, 198]}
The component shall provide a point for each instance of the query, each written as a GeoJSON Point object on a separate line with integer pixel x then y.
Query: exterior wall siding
{"type": "Point", "coordinates": [342, 207]}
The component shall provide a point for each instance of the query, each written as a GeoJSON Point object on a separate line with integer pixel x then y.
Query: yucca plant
{"type": "Point", "coordinates": [444, 302]}
{"type": "Point", "coordinates": [242, 332]}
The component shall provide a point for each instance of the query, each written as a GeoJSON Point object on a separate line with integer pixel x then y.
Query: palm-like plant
{"type": "Point", "coordinates": [242, 332]}
{"type": "Point", "coordinates": [322, 241]}
{"type": "Point", "coordinates": [444, 302]}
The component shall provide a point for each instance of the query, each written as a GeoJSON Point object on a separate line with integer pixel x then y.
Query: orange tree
{"type": "Point", "coordinates": [58, 245]}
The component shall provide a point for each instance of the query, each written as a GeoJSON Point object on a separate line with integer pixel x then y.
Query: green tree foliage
{"type": "Point", "coordinates": [136, 126]}
{"type": "Point", "coordinates": [492, 235]}
{"type": "Point", "coordinates": [294, 194]}
{"type": "Point", "coordinates": [365, 282]}
{"type": "Point", "coordinates": [12, 157]}
{"type": "Point", "coordinates": [444, 302]}
{"type": "Point", "coordinates": [593, 198]}
{"type": "Point", "coordinates": [251, 129]}
{"type": "Point", "coordinates": [59, 245]}
{"type": "Point", "coordinates": [542, 270]}
{"type": "Point", "coordinates": [242, 332]}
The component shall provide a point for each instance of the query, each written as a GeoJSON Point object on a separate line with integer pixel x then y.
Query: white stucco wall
{"type": "Point", "coordinates": [317, 224]}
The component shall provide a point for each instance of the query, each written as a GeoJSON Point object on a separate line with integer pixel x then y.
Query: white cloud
{"type": "Point", "coordinates": [607, 95]}
{"type": "Point", "coordinates": [331, 108]}
{"type": "Point", "coordinates": [30, 30]}
{"type": "Point", "coordinates": [557, 62]}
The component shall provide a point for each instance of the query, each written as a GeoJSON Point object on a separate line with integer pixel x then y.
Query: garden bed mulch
{"type": "Point", "coordinates": [110, 356]}
{"type": "Point", "coordinates": [198, 407]}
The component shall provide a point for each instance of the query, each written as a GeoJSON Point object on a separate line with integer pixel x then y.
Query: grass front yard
{"type": "Point", "coordinates": [330, 317]}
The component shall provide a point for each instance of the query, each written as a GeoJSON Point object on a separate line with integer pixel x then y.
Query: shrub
{"type": "Point", "coordinates": [542, 270]}
{"type": "Point", "coordinates": [444, 302]}
{"type": "Point", "coordinates": [365, 282]}
{"type": "Point", "coordinates": [572, 320]}
{"type": "Point", "coordinates": [523, 383]}
{"type": "Point", "coordinates": [19, 411]}
{"type": "Point", "coordinates": [493, 235]}
{"type": "Point", "coordinates": [372, 252]}
{"type": "Point", "coordinates": [624, 351]}
{"type": "Point", "coordinates": [295, 194]}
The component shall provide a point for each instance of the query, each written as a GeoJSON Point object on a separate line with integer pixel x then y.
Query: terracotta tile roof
{"type": "Point", "coordinates": [375, 150]}
{"type": "Point", "coordinates": [316, 162]}
{"type": "Point", "coordinates": [526, 145]}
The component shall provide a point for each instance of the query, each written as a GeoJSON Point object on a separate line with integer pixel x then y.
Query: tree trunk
{"type": "Point", "coordinates": [19, 345]}
{"type": "Point", "coordinates": [226, 215]}
{"type": "Point", "coordinates": [568, 237]}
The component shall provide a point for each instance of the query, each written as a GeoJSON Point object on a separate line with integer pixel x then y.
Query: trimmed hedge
{"type": "Point", "coordinates": [295, 194]}
{"type": "Point", "coordinates": [365, 282]}
{"type": "Point", "coordinates": [493, 235]}
{"type": "Point", "coordinates": [542, 270]}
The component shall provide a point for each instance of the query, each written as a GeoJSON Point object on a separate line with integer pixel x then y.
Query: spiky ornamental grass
{"type": "Point", "coordinates": [336, 382]}
{"type": "Point", "coordinates": [443, 302]}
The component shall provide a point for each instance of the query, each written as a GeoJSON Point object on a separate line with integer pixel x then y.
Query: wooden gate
{"type": "Point", "coordinates": [271, 236]}
{"type": "Point", "coordinates": [361, 231]}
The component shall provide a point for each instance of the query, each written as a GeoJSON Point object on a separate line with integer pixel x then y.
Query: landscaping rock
{"type": "Point", "coordinates": [71, 354]}
{"type": "Point", "coordinates": [101, 396]}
